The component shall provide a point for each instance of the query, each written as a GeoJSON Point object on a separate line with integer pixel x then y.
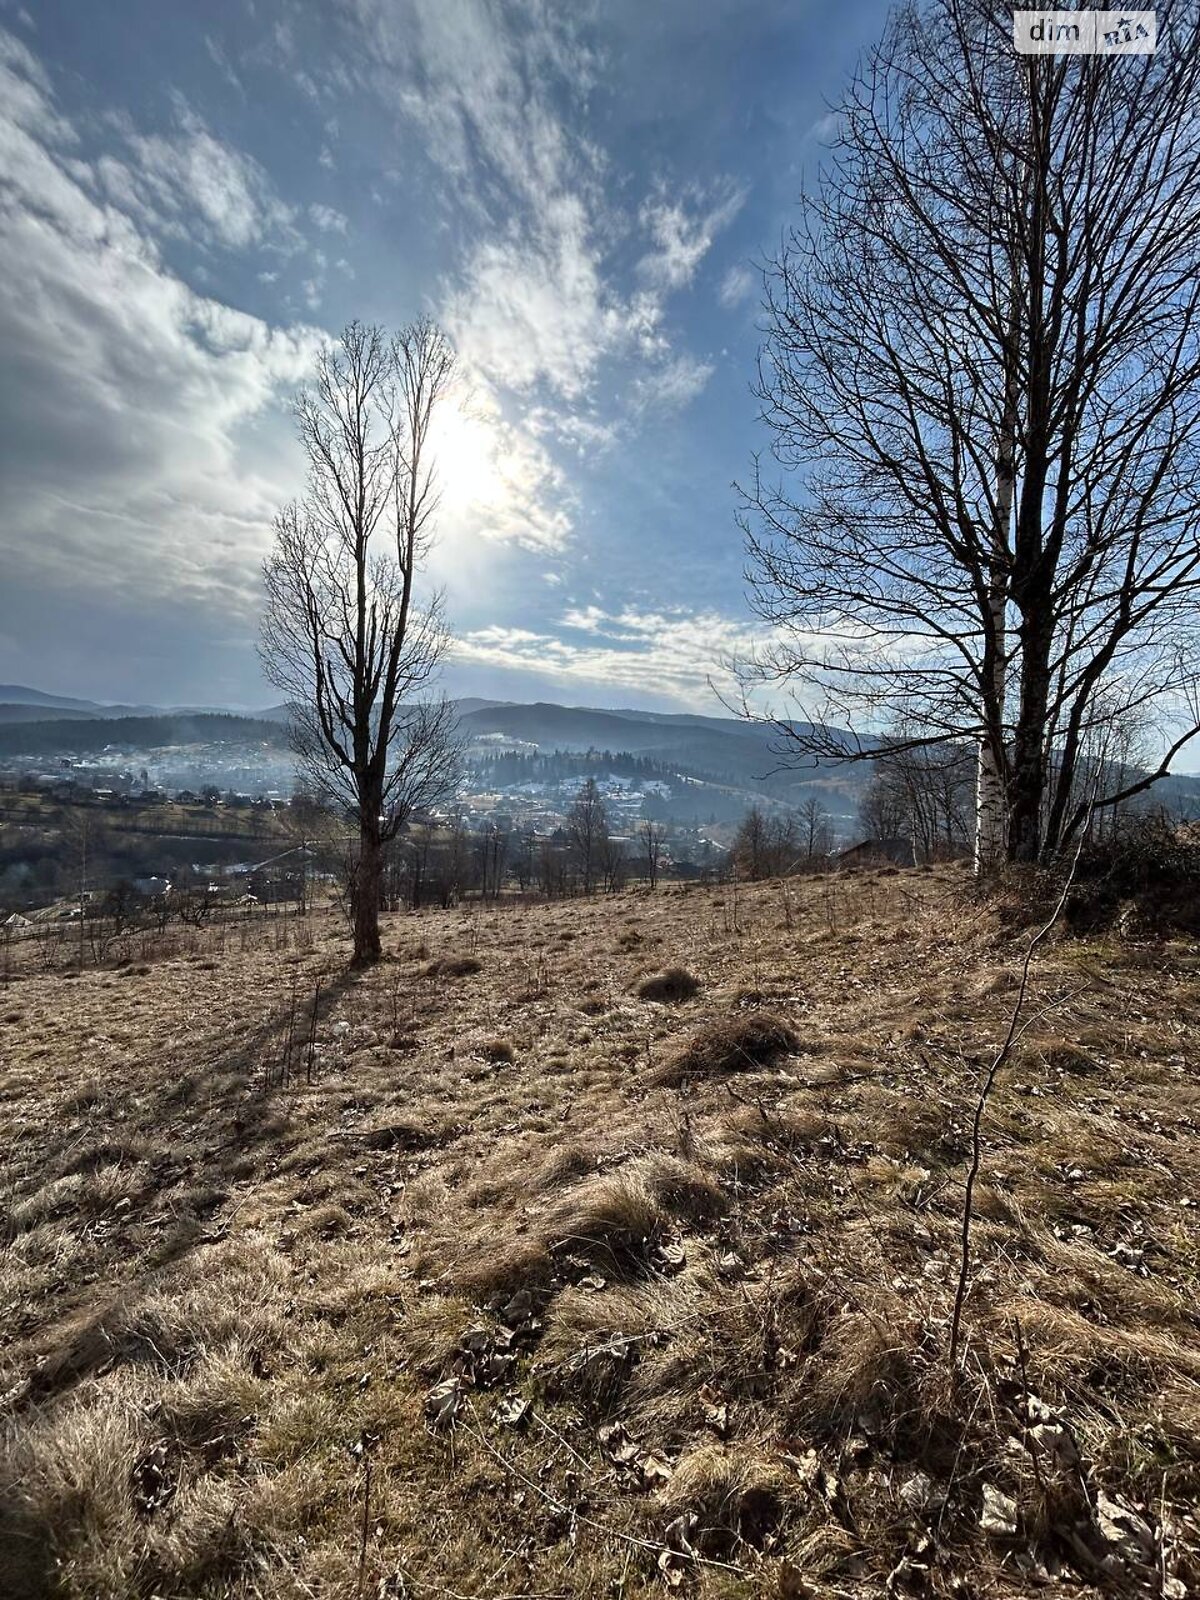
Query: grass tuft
{"type": "Point", "coordinates": [673, 986]}
{"type": "Point", "coordinates": [728, 1045]}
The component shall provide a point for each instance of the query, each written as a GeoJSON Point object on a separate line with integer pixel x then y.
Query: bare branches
{"type": "Point", "coordinates": [343, 636]}
{"type": "Point", "coordinates": [983, 360]}
{"type": "Point", "coordinates": [998, 1060]}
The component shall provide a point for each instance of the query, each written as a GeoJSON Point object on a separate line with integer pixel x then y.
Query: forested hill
{"type": "Point", "coordinates": [83, 737]}
{"type": "Point", "coordinates": [724, 748]}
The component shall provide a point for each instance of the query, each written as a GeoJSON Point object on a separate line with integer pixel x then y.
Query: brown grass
{"type": "Point", "coordinates": [728, 1045]}
{"type": "Point", "coordinates": [673, 986]}
{"type": "Point", "coordinates": [714, 1250]}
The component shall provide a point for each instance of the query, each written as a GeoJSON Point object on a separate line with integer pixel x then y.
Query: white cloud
{"type": "Point", "coordinates": [673, 386]}
{"type": "Point", "coordinates": [199, 186]}
{"type": "Point", "coordinates": [223, 65]}
{"type": "Point", "coordinates": [535, 309]}
{"type": "Point", "coordinates": [497, 480]}
{"type": "Point", "coordinates": [327, 219]}
{"type": "Point", "coordinates": [738, 284]}
{"type": "Point", "coordinates": [127, 420]}
{"type": "Point", "coordinates": [669, 652]}
{"type": "Point", "coordinates": [682, 232]}
{"type": "Point", "coordinates": [537, 305]}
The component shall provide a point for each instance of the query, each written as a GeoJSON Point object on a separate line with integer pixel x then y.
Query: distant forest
{"type": "Point", "coordinates": [135, 733]}
{"type": "Point", "coordinates": [514, 766]}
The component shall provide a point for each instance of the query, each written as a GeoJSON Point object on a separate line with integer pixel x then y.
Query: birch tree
{"type": "Point", "coordinates": [982, 380]}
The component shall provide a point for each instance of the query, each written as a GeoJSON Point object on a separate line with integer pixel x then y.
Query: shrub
{"type": "Point", "coordinates": [672, 986]}
{"type": "Point", "coordinates": [453, 967]}
{"type": "Point", "coordinates": [616, 1218]}
{"type": "Point", "coordinates": [500, 1051]}
{"type": "Point", "coordinates": [1146, 876]}
{"type": "Point", "coordinates": [728, 1045]}
{"type": "Point", "coordinates": [736, 1495]}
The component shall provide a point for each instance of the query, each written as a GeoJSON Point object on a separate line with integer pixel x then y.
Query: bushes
{"type": "Point", "coordinates": [1141, 879]}
{"type": "Point", "coordinates": [1145, 878]}
{"type": "Point", "coordinates": [453, 967]}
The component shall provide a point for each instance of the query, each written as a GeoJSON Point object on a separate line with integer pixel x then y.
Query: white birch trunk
{"type": "Point", "coordinates": [990, 806]}
{"type": "Point", "coordinates": [991, 803]}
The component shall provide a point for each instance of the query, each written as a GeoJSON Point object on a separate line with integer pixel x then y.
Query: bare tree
{"type": "Point", "coordinates": [587, 833]}
{"type": "Point", "coordinates": [82, 841]}
{"type": "Point", "coordinates": [525, 862]}
{"type": "Point", "coordinates": [492, 851]}
{"type": "Point", "coordinates": [750, 853]}
{"type": "Point", "coordinates": [343, 635]}
{"type": "Point", "coordinates": [816, 836]}
{"type": "Point", "coordinates": [650, 840]}
{"type": "Point", "coordinates": [921, 794]}
{"type": "Point", "coordinates": [613, 863]}
{"type": "Point", "coordinates": [883, 811]}
{"type": "Point", "coordinates": [984, 359]}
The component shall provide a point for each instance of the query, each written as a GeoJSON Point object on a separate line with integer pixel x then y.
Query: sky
{"type": "Point", "coordinates": [582, 192]}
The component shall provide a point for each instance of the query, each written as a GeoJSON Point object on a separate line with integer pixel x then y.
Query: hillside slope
{"type": "Point", "coordinates": [749, 754]}
{"type": "Point", "coordinates": [519, 1283]}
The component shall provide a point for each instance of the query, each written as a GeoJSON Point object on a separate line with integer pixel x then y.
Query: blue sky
{"type": "Point", "coordinates": [192, 196]}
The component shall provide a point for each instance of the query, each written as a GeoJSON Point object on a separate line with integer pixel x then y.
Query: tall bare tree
{"type": "Point", "coordinates": [983, 359]}
{"type": "Point", "coordinates": [343, 635]}
{"type": "Point", "coordinates": [922, 795]}
{"type": "Point", "coordinates": [816, 835]}
{"type": "Point", "coordinates": [587, 832]}
{"type": "Point", "coordinates": [751, 849]}
{"type": "Point", "coordinates": [650, 837]}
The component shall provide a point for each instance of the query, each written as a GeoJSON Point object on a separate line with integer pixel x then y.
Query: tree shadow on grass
{"type": "Point", "coordinates": [185, 1201]}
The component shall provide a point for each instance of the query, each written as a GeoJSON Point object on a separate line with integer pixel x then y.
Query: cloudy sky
{"type": "Point", "coordinates": [193, 196]}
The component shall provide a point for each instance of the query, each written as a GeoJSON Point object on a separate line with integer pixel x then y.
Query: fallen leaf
{"type": "Point", "coordinates": [918, 1493]}
{"type": "Point", "coordinates": [513, 1412]}
{"type": "Point", "coordinates": [655, 1470]}
{"type": "Point", "coordinates": [1054, 1440]}
{"type": "Point", "coordinates": [443, 1403]}
{"type": "Point", "coordinates": [519, 1309]}
{"type": "Point", "coordinates": [154, 1483]}
{"type": "Point", "coordinates": [1129, 1534]}
{"type": "Point", "coordinates": [999, 1515]}
{"type": "Point", "coordinates": [716, 1410]}
{"type": "Point", "coordinates": [678, 1535]}
{"type": "Point", "coordinates": [670, 1569]}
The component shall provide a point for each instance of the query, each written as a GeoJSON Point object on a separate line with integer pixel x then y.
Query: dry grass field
{"type": "Point", "coordinates": [518, 1275]}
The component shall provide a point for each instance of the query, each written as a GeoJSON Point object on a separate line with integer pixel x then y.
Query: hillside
{"type": "Point", "coordinates": [506, 1280]}
{"type": "Point", "coordinates": [747, 755]}
{"type": "Point", "coordinates": [21, 694]}
{"type": "Point", "coordinates": [749, 758]}
{"type": "Point", "coordinates": [18, 703]}
{"type": "Point", "coordinates": [134, 733]}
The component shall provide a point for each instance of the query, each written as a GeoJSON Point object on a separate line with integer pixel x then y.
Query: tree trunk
{"type": "Point", "coordinates": [991, 799]}
{"type": "Point", "coordinates": [1027, 785]}
{"type": "Point", "coordinates": [368, 883]}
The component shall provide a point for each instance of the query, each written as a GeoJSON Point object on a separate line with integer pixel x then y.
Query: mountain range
{"type": "Point", "coordinates": [727, 750]}
{"type": "Point", "coordinates": [748, 757]}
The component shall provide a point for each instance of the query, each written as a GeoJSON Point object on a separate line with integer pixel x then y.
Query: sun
{"type": "Point", "coordinates": [467, 447]}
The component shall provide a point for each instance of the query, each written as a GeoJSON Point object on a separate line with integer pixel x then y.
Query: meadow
{"type": "Point", "coordinates": [604, 1248]}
